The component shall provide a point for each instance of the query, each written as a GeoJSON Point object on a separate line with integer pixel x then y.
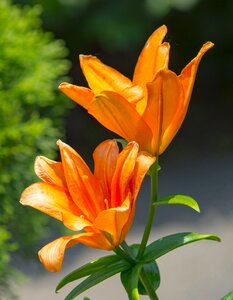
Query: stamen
{"type": "Point", "coordinates": [106, 203]}
{"type": "Point", "coordinates": [82, 216]}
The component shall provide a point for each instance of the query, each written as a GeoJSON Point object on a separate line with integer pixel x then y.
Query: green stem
{"type": "Point", "coordinates": [147, 285]}
{"type": "Point", "coordinates": [153, 200]}
{"type": "Point", "coordinates": [123, 254]}
{"type": "Point", "coordinates": [127, 249]}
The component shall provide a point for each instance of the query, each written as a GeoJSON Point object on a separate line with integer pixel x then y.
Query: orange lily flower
{"type": "Point", "coordinates": [101, 204]}
{"type": "Point", "coordinates": [149, 109]}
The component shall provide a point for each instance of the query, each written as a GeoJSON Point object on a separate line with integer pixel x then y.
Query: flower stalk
{"type": "Point", "coordinates": [153, 200]}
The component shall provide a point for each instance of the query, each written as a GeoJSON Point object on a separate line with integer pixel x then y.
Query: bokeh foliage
{"type": "Point", "coordinates": [32, 63]}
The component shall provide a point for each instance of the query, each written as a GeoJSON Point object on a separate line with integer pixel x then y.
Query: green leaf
{"type": "Point", "coordinates": [122, 142]}
{"type": "Point", "coordinates": [229, 296]}
{"type": "Point", "coordinates": [180, 199]}
{"type": "Point", "coordinates": [130, 279]}
{"type": "Point", "coordinates": [152, 272]}
{"type": "Point", "coordinates": [97, 277]}
{"type": "Point", "coordinates": [171, 242]}
{"type": "Point", "coordinates": [153, 168]}
{"type": "Point", "coordinates": [88, 269]}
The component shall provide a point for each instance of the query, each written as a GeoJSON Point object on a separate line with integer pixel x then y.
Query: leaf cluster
{"type": "Point", "coordinates": [138, 276]}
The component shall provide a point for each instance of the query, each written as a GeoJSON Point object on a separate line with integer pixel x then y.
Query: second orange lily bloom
{"type": "Point", "coordinates": [149, 109]}
{"type": "Point", "coordinates": [101, 204]}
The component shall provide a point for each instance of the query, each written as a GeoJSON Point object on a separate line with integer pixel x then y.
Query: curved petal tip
{"type": "Point", "coordinates": [64, 85]}
{"type": "Point", "coordinates": [206, 46]}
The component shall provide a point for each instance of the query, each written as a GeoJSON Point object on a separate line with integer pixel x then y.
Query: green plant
{"type": "Point", "coordinates": [32, 63]}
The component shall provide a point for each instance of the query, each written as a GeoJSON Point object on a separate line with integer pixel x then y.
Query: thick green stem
{"type": "Point", "coordinates": [153, 200]}
{"type": "Point", "coordinates": [147, 285]}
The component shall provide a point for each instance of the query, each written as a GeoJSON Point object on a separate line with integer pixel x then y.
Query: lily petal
{"type": "Point", "coordinates": [52, 254]}
{"type": "Point", "coordinates": [56, 203]}
{"type": "Point", "coordinates": [50, 171]}
{"type": "Point", "coordinates": [101, 77]}
{"type": "Point", "coordinates": [105, 159]}
{"type": "Point", "coordinates": [143, 163]}
{"type": "Point", "coordinates": [153, 114]}
{"type": "Point", "coordinates": [119, 116]}
{"type": "Point", "coordinates": [165, 96]}
{"type": "Point", "coordinates": [113, 220]}
{"type": "Point", "coordinates": [188, 74]}
{"type": "Point", "coordinates": [187, 79]}
{"type": "Point", "coordinates": [84, 188]}
{"type": "Point", "coordinates": [79, 94]}
{"type": "Point", "coordinates": [152, 58]}
{"type": "Point", "coordinates": [124, 171]}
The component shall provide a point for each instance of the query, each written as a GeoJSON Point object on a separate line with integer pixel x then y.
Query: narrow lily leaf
{"type": "Point", "coordinates": [88, 269]}
{"type": "Point", "coordinates": [129, 279]}
{"type": "Point", "coordinates": [97, 277]}
{"type": "Point", "coordinates": [229, 296]}
{"type": "Point", "coordinates": [171, 242]}
{"type": "Point", "coordinates": [152, 272]}
{"type": "Point", "coordinates": [123, 142]}
{"type": "Point", "coordinates": [180, 199]}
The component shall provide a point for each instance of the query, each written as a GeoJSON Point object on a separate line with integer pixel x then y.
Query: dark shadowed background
{"type": "Point", "coordinates": [115, 31]}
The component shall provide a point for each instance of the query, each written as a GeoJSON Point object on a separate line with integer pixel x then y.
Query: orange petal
{"type": "Point", "coordinates": [80, 95]}
{"type": "Point", "coordinates": [105, 158]}
{"type": "Point", "coordinates": [123, 173]}
{"type": "Point", "coordinates": [50, 171]}
{"type": "Point", "coordinates": [188, 74]}
{"type": "Point", "coordinates": [119, 116]}
{"type": "Point", "coordinates": [56, 203]}
{"type": "Point", "coordinates": [113, 221]}
{"type": "Point", "coordinates": [186, 78]}
{"type": "Point", "coordinates": [101, 77]}
{"type": "Point", "coordinates": [143, 163]}
{"type": "Point", "coordinates": [153, 57]}
{"type": "Point", "coordinates": [153, 113]}
{"type": "Point", "coordinates": [165, 95]}
{"type": "Point", "coordinates": [52, 254]}
{"type": "Point", "coordinates": [82, 184]}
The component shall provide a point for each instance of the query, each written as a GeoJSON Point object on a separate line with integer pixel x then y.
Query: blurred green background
{"type": "Point", "coordinates": [34, 114]}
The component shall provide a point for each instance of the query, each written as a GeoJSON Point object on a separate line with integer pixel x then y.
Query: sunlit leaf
{"type": "Point", "coordinates": [99, 276]}
{"type": "Point", "coordinates": [129, 279]}
{"type": "Point", "coordinates": [171, 242]}
{"type": "Point", "coordinates": [88, 269]}
{"type": "Point", "coordinates": [229, 296]}
{"type": "Point", "coordinates": [179, 199]}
